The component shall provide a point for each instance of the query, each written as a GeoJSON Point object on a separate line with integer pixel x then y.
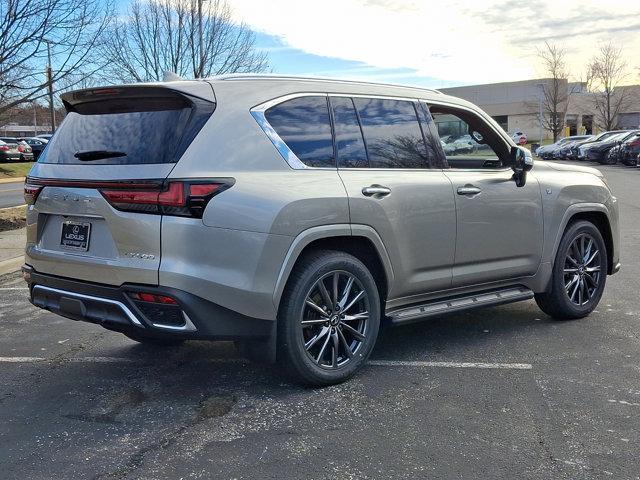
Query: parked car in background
{"type": "Point", "coordinates": [597, 151]}
{"type": "Point", "coordinates": [9, 152]}
{"type": "Point", "coordinates": [575, 148]}
{"type": "Point", "coordinates": [564, 151]}
{"type": "Point", "coordinates": [563, 147]}
{"type": "Point", "coordinates": [37, 145]}
{"type": "Point", "coordinates": [464, 144]}
{"type": "Point", "coordinates": [23, 148]}
{"type": "Point", "coordinates": [629, 151]}
{"type": "Point", "coordinates": [317, 208]}
{"type": "Point", "coordinates": [546, 151]}
{"type": "Point", "coordinates": [519, 138]}
{"type": "Point", "coordinates": [46, 136]}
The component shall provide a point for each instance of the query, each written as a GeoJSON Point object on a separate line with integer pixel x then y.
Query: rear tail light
{"type": "Point", "coordinates": [179, 198]}
{"type": "Point", "coordinates": [635, 143]}
{"type": "Point", "coordinates": [4, 148]}
{"type": "Point", "coordinates": [31, 193]}
{"type": "Point", "coordinates": [175, 197]}
{"type": "Point", "coordinates": [21, 148]}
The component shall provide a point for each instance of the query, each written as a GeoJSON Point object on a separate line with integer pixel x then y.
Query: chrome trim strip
{"type": "Point", "coordinates": [187, 327]}
{"type": "Point", "coordinates": [120, 305]}
{"type": "Point", "coordinates": [258, 113]}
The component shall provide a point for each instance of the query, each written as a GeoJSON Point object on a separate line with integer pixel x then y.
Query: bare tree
{"type": "Point", "coordinates": [555, 92]}
{"type": "Point", "coordinates": [606, 73]}
{"type": "Point", "coordinates": [192, 38]}
{"type": "Point", "coordinates": [72, 29]}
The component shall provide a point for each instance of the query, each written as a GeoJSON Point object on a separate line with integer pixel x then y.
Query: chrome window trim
{"type": "Point", "coordinates": [258, 113]}
{"type": "Point", "coordinates": [120, 305]}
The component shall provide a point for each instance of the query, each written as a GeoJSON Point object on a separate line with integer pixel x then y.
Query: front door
{"type": "Point", "coordinates": [499, 225]}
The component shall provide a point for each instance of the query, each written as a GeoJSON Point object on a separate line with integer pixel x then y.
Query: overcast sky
{"type": "Point", "coordinates": [436, 43]}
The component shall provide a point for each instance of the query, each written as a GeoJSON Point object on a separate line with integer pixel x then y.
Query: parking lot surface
{"type": "Point", "coordinates": [498, 393]}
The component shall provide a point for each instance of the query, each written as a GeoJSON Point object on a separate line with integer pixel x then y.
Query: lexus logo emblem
{"type": "Point", "coordinates": [76, 229]}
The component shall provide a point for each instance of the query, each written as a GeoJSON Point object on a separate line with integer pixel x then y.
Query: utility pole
{"type": "Point", "coordinates": [35, 120]}
{"type": "Point", "coordinates": [52, 111]}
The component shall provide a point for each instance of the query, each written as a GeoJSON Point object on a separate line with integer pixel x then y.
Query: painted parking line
{"type": "Point", "coordinates": [21, 359]}
{"type": "Point", "coordinates": [376, 363]}
{"type": "Point", "coordinates": [4, 289]}
{"type": "Point", "coordinates": [404, 363]}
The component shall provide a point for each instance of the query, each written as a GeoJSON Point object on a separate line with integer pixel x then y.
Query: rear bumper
{"type": "Point", "coordinates": [113, 308]}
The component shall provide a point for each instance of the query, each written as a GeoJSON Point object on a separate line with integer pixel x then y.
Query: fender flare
{"type": "Point", "coordinates": [569, 213]}
{"type": "Point", "coordinates": [310, 235]}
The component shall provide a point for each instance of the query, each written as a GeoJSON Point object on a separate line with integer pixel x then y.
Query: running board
{"type": "Point", "coordinates": [458, 304]}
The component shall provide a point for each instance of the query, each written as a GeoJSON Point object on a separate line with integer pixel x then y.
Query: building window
{"type": "Point", "coordinates": [503, 121]}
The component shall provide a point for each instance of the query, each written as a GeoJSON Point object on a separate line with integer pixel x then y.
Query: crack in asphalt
{"type": "Point", "coordinates": [213, 406]}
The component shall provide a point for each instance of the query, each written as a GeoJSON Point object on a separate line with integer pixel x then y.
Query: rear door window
{"type": "Point", "coordinates": [303, 124]}
{"type": "Point", "coordinates": [349, 142]}
{"type": "Point", "coordinates": [392, 134]}
{"type": "Point", "coordinates": [131, 130]}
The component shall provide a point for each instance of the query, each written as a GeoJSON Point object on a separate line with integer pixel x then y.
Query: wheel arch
{"type": "Point", "coordinates": [598, 214]}
{"type": "Point", "coordinates": [361, 241]}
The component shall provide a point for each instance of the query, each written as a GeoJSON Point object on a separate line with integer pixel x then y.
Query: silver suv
{"type": "Point", "coordinates": [296, 216]}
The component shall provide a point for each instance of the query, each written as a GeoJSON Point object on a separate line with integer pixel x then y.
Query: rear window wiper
{"type": "Point", "coordinates": [89, 155]}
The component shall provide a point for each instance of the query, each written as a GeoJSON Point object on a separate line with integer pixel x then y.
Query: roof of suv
{"type": "Point", "coordinates": [261, 77]}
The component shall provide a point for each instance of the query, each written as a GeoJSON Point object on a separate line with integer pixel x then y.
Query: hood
{"type": "Point", "coordinates": [563, 167]}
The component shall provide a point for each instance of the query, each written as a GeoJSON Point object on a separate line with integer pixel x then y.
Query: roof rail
{"type": "Point", "coordinates": [270, 76]}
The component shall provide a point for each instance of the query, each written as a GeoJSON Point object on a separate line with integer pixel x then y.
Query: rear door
{"type": "Point", "coordinates": [396, 186]}
{"type": "Point", "coordinates": [95, 188]}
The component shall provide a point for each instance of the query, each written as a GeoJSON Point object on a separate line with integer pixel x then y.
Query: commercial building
{"type": "Point", "coordinates": [516, 106]}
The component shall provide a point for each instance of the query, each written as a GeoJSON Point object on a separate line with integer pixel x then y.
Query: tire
{"type": "Point", "coordinates": [331, 346]}
{"type": "Point", "coordinates": [154, 341]}
{"type": "Point", "coordinates": [576, 286]}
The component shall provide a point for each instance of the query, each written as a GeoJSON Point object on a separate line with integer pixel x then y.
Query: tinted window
{"type": "Point", "coordinates": [303, 124]}
{"type": "Point", "coordinates": [146, 130]}
{"type": "Point", "coordinates": [349, 144]}
{"type": "Point", "coordinates": [391, 133]}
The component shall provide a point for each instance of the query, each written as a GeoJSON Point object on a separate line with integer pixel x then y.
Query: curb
{"type": "Point", "coordinates": [11, 265]}
{"type": "Point", "coordinates": [12, 180]}
{"type": "Point", "coordinates": [15, 206]}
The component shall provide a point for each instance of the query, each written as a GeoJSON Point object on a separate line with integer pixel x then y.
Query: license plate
{"type": "Point", "coordinates": [75, 236]}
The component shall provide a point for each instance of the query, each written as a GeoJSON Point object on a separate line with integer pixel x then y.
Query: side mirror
{"type": "Point", "coordinates": [521, 163]}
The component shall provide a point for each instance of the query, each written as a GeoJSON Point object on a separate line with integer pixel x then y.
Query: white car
{"type": "Point", "coordinates": [520, 138]}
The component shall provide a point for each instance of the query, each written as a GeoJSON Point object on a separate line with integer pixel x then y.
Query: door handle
{"type": "Point", "coordinates": [376, 190]}
{"type": "Point", "coordinates": [469, 190]}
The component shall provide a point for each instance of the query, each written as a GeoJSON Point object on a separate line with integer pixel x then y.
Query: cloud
{"type": "Point", "coordinates": [457, 40]}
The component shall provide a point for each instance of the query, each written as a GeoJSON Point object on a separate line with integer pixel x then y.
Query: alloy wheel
{"type": "Point", "coordinates": [335, 319]}
{"type": "Point", "coordinates": [582, 269]}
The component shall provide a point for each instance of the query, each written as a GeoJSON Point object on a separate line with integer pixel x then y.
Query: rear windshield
{"type": "Point", "coordinates": [127, 131]}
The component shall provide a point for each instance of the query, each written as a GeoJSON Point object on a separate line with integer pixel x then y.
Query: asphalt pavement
{"type": "Point", "coordinates": [500, 393]}
{"type": "Point", "coordinates": [11, 194]}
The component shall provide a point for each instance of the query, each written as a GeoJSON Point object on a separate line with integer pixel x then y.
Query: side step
{"type": "Point", "coordinates": [457, 304]}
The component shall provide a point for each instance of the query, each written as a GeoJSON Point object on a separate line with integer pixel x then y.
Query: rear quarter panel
{"type": "Point", "coordinates": [233, 256]}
